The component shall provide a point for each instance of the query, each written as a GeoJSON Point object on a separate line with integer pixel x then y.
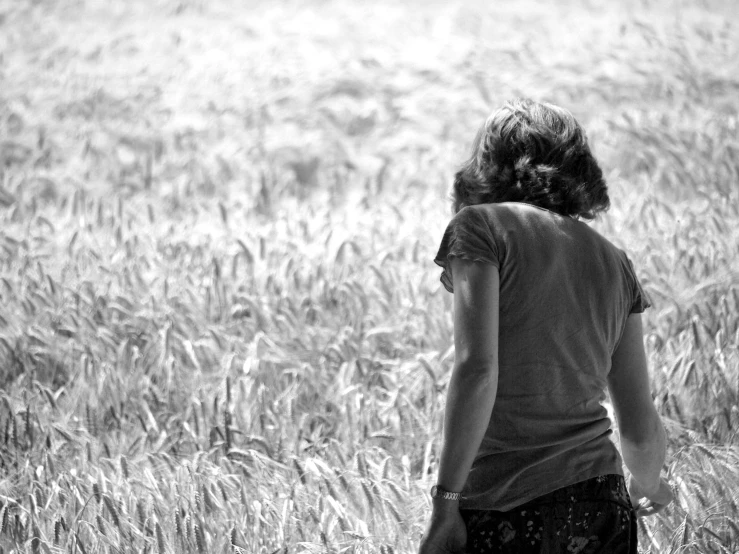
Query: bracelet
{"type": "Point", "coordinates": [438, 492]}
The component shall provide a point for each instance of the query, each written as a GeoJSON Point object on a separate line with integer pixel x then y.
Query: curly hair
{"type": "Point", "coordinates": [536, 153]}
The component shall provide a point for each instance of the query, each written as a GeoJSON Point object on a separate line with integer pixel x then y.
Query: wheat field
{"type": "Point", "coordinates": [220, 326]}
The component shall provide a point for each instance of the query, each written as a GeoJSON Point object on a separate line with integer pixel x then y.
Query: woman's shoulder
{"type": "Point", "coordinates": [508, 215]}
{"type": "Point", "coordinates": [499, 209]}
{"type": "Point", "coordinates": [529, 218]}
{"type": "Point", "coordinates": [514, 208]}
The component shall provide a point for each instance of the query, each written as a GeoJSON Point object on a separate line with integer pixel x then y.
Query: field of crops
{"type": "Point", "coordinates": [220, 326]}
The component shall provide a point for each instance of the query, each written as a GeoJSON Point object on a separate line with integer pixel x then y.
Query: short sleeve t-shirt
{"type": "Point", "coordinates": [565, 295]}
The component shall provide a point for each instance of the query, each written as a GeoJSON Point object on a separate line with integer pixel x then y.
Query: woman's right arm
{"type": "Point", "coordinates": [643, 439]}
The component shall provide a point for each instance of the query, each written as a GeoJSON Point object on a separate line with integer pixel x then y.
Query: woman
{"type": "Point", "coordinates": [546, 318]}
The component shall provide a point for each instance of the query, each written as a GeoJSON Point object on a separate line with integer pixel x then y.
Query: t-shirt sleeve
{"type": "Point", "coordinates": [640, 298]}
{"type": "Point", "coordinates": [469, 237]}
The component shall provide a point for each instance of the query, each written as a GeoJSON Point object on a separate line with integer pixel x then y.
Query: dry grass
{"type": "Point", "coordinates": [220, 327]}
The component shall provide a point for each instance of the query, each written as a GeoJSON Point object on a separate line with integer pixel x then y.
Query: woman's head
{"type": "Point", "coordinates": [532, 152]}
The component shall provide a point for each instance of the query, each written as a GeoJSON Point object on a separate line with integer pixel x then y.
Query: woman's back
{"type": "Point", "coordinates": [541, 329]}
{"type": "Point", "coordinates": [565, 295]}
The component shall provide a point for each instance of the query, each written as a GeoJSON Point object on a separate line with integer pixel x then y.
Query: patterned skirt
{"type": "Point", "coordinates": [593, 516]}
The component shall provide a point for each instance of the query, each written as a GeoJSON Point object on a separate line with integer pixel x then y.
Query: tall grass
{"type": "Point", "coordinates": [220, 327]}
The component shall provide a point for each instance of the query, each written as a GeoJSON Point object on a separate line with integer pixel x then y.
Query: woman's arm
{"type": "Point", "coordinates": [470, 399]}
{"type": "Point", "coordinates": [474, 380]}
{"type": "Point", "coordinates": [643, 440]}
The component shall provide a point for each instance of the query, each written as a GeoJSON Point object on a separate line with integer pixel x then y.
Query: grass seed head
{"type": "Point", "coordinates": [161, 544]}
{"type": "Point", "coordinates": [3, 517]}
{"type": "Point", "coordinates": [208, 500]}
{"type": "Point", "coordinates": [368, 493]}
{"type": "Point", "coordinates": [141, 513]}
{"type": "Point", "coordinates": [124, 468]}
{"type": "Point", "coordinates": [57, 531]}
{"type": "Point", "coordinates": [50, 464]}
{"type": "Point", "coordinates": [110, 505]}
{"type": "Point", "coordinates": [224, 491]}
{"type": "Point", "coordinates": [178, 525]}
{"type": "Point", "coordinates": [199, 537]}
{"type": "Point", "coordinates": [100, 524]}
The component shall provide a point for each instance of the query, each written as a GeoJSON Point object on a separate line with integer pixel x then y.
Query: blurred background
{"type": "Point", "coordinates": [226, 97]}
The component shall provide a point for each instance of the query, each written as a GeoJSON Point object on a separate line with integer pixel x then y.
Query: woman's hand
{"type": "Point", "coordinates": [647, 505]}
{"type": "Point", "coordinates": [446, 532]}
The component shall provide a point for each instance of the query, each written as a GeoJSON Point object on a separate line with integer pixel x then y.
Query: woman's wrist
{"type": "Point", "coordinates": [641, 490]}
{"type": "Point", "coordinates": [443, 506]}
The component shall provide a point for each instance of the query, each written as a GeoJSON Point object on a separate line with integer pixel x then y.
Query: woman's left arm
{"type": "Point", "coordinates": [471, 396]}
